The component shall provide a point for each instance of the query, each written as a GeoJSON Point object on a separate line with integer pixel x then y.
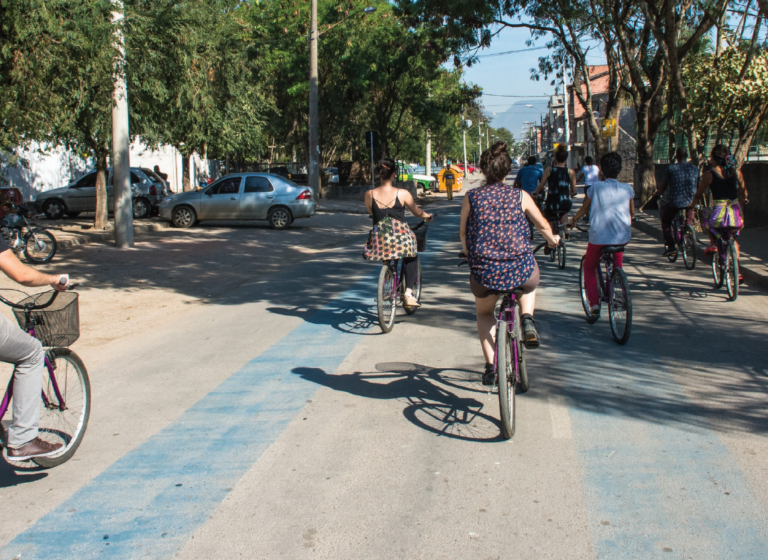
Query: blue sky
{"type": "Point", "coordinates": [511, 75]}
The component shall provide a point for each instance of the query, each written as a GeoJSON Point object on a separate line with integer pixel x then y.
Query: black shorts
{"type": "Point", "coordinates": [480, 291]}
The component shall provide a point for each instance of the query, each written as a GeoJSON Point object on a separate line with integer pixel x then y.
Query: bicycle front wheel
{"type": "Point", "coordinates": [39, 246]}
{"type": "Point", "coordinates": [386, 300]}
{"type": "Point", "coordinates": [689, 247]}
{"type": "Point", "coordinates": [416, 291]}
{"type": "Point", "coordinates": [732, 271]}
{"type": "Point", "coordinates": [717, 269]}
{"type": "Point", "coordinates": [64, 426]}
{"type": "Point", "coordinates": [584, 299]}
{"type": "Point", "coordinates": [620, 307]}
{"type": "Point", "coordinates": [505, 373]}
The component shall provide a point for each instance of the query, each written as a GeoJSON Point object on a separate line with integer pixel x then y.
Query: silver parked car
{"type": "Point", "coordinates": [242, 196]}
{"type": "Point", "coordinates": [147, 190]}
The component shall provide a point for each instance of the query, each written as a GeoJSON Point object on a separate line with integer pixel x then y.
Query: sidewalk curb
{"type": "Point", "coordinates": [750, 275]}
{"type": "Point", "coordinates": [88, 237]}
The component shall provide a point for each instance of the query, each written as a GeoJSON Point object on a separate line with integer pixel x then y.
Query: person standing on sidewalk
{"type": "Point", "coordinates": [681, 183]}
{"type": "Point", "coordinates": [449, 178]}
{"type": "Point", "coordinates": [26, 354]}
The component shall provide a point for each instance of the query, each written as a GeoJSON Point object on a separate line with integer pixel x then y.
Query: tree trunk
{"type": "Point", "coordinates": [185, 172]}
{"type": "Point", "coordinates": [747, 134]}
{"type": "Point", "coordinates": [101, 220]}
{"type": "Point", "coordinates": [646, 174]}
{"type": "Point", "coordinates": [763, 5]}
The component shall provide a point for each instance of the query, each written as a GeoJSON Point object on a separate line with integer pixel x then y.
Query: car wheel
{"type": "Point", "coordinates": [280, 218]}
{"type": "Point", "coordinates": [54, 209]}
{"type": "Point", "coordinates": [184, 217]}
{"type": "Point", "coordinates": [141, 208]}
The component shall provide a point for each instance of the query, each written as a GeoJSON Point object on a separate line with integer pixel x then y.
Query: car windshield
{"type": "Point", "coordinates": [287, 182]}
{"type": "Point", "coordinates": [152, 175]}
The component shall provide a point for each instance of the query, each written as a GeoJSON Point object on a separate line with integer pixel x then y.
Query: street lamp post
{"type": "Point", "coordinates": [314, 130]}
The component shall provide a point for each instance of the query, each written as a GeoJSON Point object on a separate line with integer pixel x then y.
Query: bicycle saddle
{"type": "Point", "coordinates": [612, 249]}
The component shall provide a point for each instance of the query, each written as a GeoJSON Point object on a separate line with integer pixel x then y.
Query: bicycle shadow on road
{"type": "Point", "coordinates": [427, 405]}
{"type": "Point", "coordinates": [23, 473]}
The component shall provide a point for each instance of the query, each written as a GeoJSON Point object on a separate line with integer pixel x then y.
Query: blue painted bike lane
{"type": "Point", "coordinates": [149, 502]}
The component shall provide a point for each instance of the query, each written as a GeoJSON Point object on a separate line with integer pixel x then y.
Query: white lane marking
{"type": "Point", "coordinates": [561, 420]}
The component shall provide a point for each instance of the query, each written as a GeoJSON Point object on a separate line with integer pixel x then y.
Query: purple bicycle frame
{"type": "Point", "coordinates": [9, 391]}
{"type": "Point", "coordinates": [509, 318]}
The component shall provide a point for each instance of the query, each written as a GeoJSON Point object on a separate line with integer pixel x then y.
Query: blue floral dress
{"type": "Point", "coordinates": [498, 238]}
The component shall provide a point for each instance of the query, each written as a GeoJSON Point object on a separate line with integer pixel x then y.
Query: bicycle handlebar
{"type": "Point", "coordinates": [422, 222]}
{"type": "Point", "coordinates": [32, 306]}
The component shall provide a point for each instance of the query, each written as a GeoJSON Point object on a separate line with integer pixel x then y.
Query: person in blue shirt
{"type": "Point", "coordinates": [529, 176]}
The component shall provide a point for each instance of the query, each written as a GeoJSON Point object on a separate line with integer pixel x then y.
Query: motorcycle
{"type": "Point", "coordinates": [38, 244]}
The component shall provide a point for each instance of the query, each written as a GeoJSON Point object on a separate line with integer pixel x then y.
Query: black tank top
{"type": "Point", "coordinates": [396, 211]}
{"type": "Point", "coordinates": [723, 188]}
{"type": "Point", "coordinates": [559, 182]}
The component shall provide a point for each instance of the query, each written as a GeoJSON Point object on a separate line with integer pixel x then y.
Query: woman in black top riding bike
{"type": "Point", "coordinates": [391, 236]}
{"type": "Point", "coordinates": [729, 194]}
{"type": "Point", "coordinates": [561, 187]}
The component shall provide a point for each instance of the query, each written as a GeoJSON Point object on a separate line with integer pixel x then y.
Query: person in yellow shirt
{"type": "Point", "coordinates": [449, 177]}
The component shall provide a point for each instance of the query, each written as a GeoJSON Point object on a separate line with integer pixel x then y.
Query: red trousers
{"type": "Point", "coordinates": [591, 262]}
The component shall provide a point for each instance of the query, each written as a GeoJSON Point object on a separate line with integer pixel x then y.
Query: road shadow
{"type": "Point", "coordinates": [429, 396]}
{"type": "Point", "coordinates": [21, 473]}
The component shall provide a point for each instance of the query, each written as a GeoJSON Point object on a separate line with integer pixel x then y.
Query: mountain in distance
{"type": "Point", "coordinates": [514, 118]}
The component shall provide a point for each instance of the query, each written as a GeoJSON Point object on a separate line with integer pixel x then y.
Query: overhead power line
{"type": "Point", "coordinates": [510, 52]}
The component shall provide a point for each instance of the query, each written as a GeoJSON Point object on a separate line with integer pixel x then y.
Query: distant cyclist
{"type": "Point", "coordinates": [611, 205]}
{"type": "Point", "coordinates": [561, 187]}
{"type": "Point", "coordinates": [494, 237]}
{"type": "Point", "coordinates": [590, 172]}
{"type": "Point", "coordinates": [529, 176]}
{"type": "Point", "coordinates": [26, 354]}
{"type": "Point", "coordinates": [680, 187]}
{"type": "Point", "coordinates": [729, 194]}
{"type": "Point", "coordinates": [391, 237]}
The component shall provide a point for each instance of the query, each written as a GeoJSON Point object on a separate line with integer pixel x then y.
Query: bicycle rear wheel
{"type": "Point", "coordinates": [731, 271]}
{"type": "Point", "coordinates": [416, 291]}
{"type": "Point", "coordinates": [561, 248]}
{"type": "Point", "coordinates": [620, 307]}
{"type": "Point", "coordinates": [584, 299]}
{"type": "Point", "coordinates": [689, 247]}
{"type": "Point", "coordinates": [386, 300]}
{"type": "Point", "coordinates": [64, 426]}
{"type": "Point", "coordinates": [717, 269]}
{"type": "Point", "coordinates": [505, 374]}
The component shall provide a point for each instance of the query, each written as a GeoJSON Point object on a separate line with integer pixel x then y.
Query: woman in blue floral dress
{"type": "Point", "coordinates": [496, 239]}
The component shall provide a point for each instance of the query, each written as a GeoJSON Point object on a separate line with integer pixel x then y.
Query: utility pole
{"type": "Point", "coordinates": [314, 133]}
{"type": "Point", "coordinates": [121, 166]}
{"type": "Point", "coordinates": [487, 137]}
{"type": "Point", "coordinates": [479, 139]}
{"type": "Point", "coordinates": [429, 154]}
{"type": "Point", "coordinates": [464, 140]}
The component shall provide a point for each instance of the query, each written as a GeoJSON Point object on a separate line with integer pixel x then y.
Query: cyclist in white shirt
{"type": "Point", "coordinates": [611, 205]}
{"type": "Point", "coordinates": [590, 172]}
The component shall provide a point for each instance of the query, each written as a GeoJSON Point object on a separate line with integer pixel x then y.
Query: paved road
{"type": "Point", "coordinates": [281, 423]}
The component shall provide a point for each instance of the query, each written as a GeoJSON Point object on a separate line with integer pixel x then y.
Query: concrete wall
{"type": "Point", "coordinates": [47, 167]}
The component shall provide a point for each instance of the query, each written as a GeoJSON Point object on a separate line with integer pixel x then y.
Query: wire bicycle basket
{"type": "Point", "coordinates": [57, 325]}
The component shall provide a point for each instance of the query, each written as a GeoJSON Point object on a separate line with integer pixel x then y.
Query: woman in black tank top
{"type": "Point", "coordinates": [729, 194]}
{"type": "Point", "coordinates": [561, 183]}
{"type": "Point", "coordinates": [387, 204]}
